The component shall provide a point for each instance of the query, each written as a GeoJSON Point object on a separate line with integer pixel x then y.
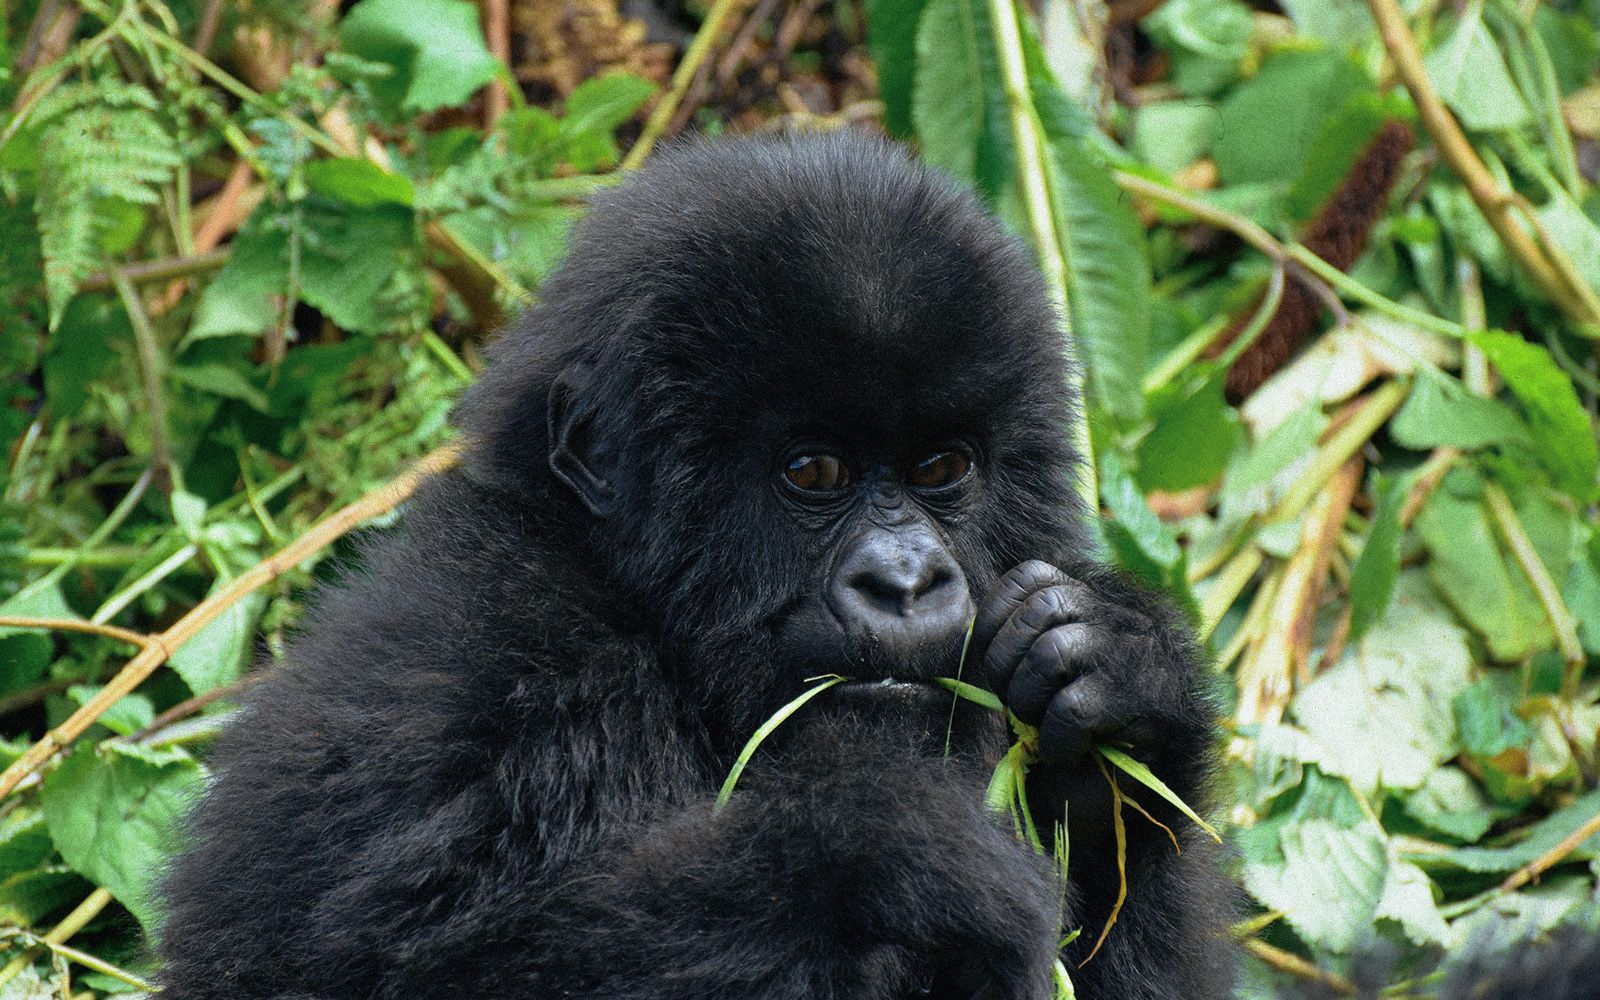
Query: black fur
{"type": "Point", "coordinates": [488, 766]}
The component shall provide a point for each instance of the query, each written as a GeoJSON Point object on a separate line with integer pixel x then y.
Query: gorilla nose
{"type": "Point", "coordinates": [902, 587]}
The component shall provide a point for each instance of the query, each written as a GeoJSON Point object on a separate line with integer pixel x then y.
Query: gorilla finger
{"type": "Point", "coordinates": [1049, 665]}
{"type": "Point", "coordinates": [1007, 596]}
{"type": "Point", "coordinates": [1060, 604]}
{"type": "Point", "coordinates": [1078, 717]}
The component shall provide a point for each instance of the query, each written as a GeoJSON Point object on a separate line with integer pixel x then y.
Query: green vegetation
{"type": "Point", "coordinates": [249, 255]}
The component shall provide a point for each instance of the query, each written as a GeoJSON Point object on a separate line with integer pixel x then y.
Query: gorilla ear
{"type": "Point", "coordinates": [587, 464]}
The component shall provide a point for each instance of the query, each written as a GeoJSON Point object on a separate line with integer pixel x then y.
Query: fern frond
{"type": "Point", "coordinates": [100, 140]}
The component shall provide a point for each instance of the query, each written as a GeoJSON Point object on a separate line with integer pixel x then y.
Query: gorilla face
{"type": "Point", "coordinates": [805, 420]}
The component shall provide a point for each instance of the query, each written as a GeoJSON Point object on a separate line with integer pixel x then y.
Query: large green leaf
{"type": "Point", "coordinates": [435, 46]}
{"type": "Point", "coordinates": [1561, 426]}
{"type": "Point", "coordinates": [1269, 123]}
{"type": "Point", "coordinates": [1471, 76]}
{"type": "Point", "coordinates": [948, 102]}
{"type": "Point", "coordinates": [1479, 578]}
{"type": "Point", "coordinates": [892, 39]}
{"type": "Point", "coordinates": [1381, 716]}
{"type": "Point", "coordinates": [113, 816]}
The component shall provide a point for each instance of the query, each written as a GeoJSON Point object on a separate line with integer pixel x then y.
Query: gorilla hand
{"type": "Point", "coordinates": [1067, 658]}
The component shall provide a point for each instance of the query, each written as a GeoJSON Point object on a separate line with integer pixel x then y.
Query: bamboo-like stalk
{"type": "Point", "coordinates": [1049, 242]}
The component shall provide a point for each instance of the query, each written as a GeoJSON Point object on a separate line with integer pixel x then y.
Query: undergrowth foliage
{"type": "Point", "coordinates": [249, 254]}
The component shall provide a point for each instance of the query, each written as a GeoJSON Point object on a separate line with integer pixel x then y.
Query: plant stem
{"type": "Point", "coordinates": [1044, 224]}
{"type": "Point", "coordinates": [1505, 518]}
{"type": "Point", "coordinates": [688, 68]}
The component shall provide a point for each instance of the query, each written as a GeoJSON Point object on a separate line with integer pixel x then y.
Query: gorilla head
{"type": "Point", "coordinates": [798, 401]}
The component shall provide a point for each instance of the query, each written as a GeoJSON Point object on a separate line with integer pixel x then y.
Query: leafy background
{"type": "Point", "coordinates": [249, 254]}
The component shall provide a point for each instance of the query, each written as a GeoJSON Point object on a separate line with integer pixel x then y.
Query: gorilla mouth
{"type": "Point", "coordinates": [911, 694]}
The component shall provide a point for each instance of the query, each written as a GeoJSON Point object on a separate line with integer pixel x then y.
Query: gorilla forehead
{"type": "Point", "coordinates": [821, 275]}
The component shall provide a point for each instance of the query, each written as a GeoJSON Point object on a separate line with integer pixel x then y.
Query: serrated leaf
{"type": "Point", "coordinates": [947, 103]}
{"type": "Point", "coordinates": [1108, 275]}
{"type": "Point", "coordinates": [1560, 425]}
{"type": "Point", "coordinates": [435, 46]}
{"type": "Point", "coordinates": [113, 817]}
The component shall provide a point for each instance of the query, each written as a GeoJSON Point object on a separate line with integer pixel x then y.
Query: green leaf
{"type": "Point", "coordinates": [1170, 135]}
{"type": "Point", "coordinates": [359, 182]}
{"type": "Point", "coordinates": [1108, 272]}
{"type": "Point", "coordinates": [1195, 433]}
{"type": "Point", "coordinates": [948, 102]}
{"type": "Point", "coordinates": [593, 111]}
{"type": "Point", "coordinates": [1372, 578]}
{"type": "Point", "coordinates": [1560, 425]}
{"type": "Point", "coordinates": [113, 816]}
{"type": "Point", "coordinates": [85, 349]}
{"type": "Point", "coordinates": [435, 46]}
{"type": "Point", "coordinates": [1381, 715]}
{"type": "Point", "coordinates": [892, 40]}
{"type": "Point", "coordinates": [222, 380]}
{"type": "Point", "coordinates": [1487, 720]}
{"type": "Point", "coordinates": [1452, 803]}
{"type": "Point", "coordinates": [128, 714]}
{"type": "Point", "coordinates": [1270, 122]}
{"type": "Point", "coordinates": [1256, 478]}
{"type": "Point", "coordinates": [1439, 412]}
{"type": "Point", "coordinates": [1478, 577]}
{"type": "Point", "coordinates": [218, 654]}
{"type": "Point", "coordinates": [1206, 39]}
{"type": "Point", "coordinates": [1546, 834]}
{"type": "Point", "coordinates": [1328, 883]}
{"type": "Point", "coordinates": [1471, 77]}
{"type": "Point", "coordinates": [1335, 147]}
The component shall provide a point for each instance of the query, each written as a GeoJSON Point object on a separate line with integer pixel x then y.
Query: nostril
{"type": "Point", "coordinates": [898, 592]}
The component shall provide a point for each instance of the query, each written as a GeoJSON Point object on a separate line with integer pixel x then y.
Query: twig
{"type": "Point", "coordinates": [158, 270]}
{"type": "Point", "coordinates": [224, 217]}
{"type": "Point", "coordinates": [688, 69]}
{"type": "Point", "coordinates": [1492, 200]}
{"type": "Point", "coordinates": [1288, 961]}
{"type": "Point", "coordinates": [161, 647]}
{"type": "Point", "coordinates": [1505, 518]}
{"type": "Point", "coordinates": [70, 924]}
{"type": "Point", "coordinates": [189, 706]}
{"type": "Point", "coordinates": [1549, 859]}
{"type": "Point", "coordinates": [497, 31]}
{"type": "Point", "coordinates": [150, 376]}
{"type": "Point", "coordinates": [74, 625]}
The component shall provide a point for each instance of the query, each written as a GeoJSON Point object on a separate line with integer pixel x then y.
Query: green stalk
{"type": "Point", "coordinates": [1033, 179]}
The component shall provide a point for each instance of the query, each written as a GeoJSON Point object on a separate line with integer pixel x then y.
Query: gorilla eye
{"type": "Point", "coordinates": [944, 469]}
{"type": "Point", "coordinates": [817, 473]}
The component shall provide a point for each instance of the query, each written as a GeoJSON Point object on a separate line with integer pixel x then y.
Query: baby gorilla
{"type": "Point", "coordinates": [794, 406]}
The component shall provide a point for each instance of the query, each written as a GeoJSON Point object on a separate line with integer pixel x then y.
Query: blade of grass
{"type": "Point", "coordinates": [778, 719]}
{"type": "Point", "coordinates": [1138, 772]}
